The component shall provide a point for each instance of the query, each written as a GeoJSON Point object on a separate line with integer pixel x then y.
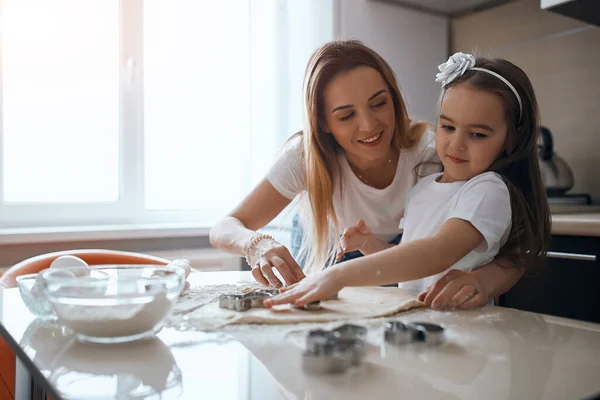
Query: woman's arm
{"type": "Point", "coordinates": [234, 232]}
{"type": "Point", "coordinates": [498, 279]}
{"type": "Point", "coordinates": [458, 289]}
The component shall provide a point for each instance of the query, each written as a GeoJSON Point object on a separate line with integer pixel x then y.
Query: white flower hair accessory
{"type": "Point", "coordinates": [459, 63]}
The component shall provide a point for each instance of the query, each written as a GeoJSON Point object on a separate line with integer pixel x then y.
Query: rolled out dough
{"type": "Point", "coordinates": [353, 303]}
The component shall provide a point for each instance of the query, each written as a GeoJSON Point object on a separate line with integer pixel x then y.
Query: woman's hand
{"type": "Point", "coordinates": [354, 238]}
{"type": "Point", "coordinates": [320, 286]}
{"type": "Point", "coordinates": [455, 290]}
{"type": "Point", "coordinates": [269, 254]}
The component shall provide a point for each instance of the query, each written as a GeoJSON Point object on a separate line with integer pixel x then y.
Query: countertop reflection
{"type": "Point", "coordinates": [492, 353]}
{"type": "Point", "coordinates": [85, 370]}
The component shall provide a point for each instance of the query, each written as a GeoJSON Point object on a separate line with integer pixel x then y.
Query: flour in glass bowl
{"type": "Point", "coordinates": [115, 309]}
{"type": "Point", "coordinates": [114, 321]}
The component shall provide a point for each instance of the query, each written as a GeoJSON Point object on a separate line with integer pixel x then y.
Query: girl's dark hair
{"type": "Point", "coordinates": [529, 238]}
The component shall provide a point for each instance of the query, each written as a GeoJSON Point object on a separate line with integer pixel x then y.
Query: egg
{"type": "Point", "coordinates": [68, 262]}
{"type": "Point", "coordinates": [60, 263]}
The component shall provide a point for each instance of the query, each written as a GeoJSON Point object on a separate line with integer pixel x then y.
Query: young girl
{"type": "Point", "coordinates": [488, 201]}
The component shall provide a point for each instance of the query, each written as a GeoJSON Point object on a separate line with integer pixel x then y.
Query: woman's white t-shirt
{"type": "Point", "coordinates": [381, 209]}
{"type": "Point", "coordinates": [484, 201]}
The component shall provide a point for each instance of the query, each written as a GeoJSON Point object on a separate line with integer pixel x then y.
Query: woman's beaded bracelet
{"type": "Point", "coordinates": [253, 242]}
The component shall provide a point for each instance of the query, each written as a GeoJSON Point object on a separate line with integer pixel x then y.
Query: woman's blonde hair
{"type": "Point", "coordinates": [321, 151]}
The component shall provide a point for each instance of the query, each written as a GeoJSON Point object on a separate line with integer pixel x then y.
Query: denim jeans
{"type": "Point", "coordinates": [296, 243]}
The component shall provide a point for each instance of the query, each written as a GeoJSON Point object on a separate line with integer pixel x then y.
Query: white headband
{"type": "Point", "coordinates": [459, 63]}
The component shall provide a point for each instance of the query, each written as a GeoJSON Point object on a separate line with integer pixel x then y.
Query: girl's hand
{"type": "Point", "coordinates": [354, 238]}
{"type": "Point", "coordinates": [269, 254]}
{"type": "Point", "coordinates": [455, 290]}
{"type": "Point", "coordinates": [320, 286]}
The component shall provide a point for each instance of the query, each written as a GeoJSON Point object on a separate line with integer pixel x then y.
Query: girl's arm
{"type": "Point", "coordinates": [375, 245]}
{"type": "Point", "coordinates": [405, 262]}
{"type": "Point", "coordinates": [455, 239]}
{"type": "Point", "coordinates": [234, 232]}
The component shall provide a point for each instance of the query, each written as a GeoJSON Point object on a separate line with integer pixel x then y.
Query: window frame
{"type": "Point", "coordinates": [130, 208]}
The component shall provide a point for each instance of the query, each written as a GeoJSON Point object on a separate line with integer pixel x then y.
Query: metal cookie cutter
{"type": "Point", "coordinates": [243, 302]}
{"type": "Point", "coordinates": [334, 351]}
{"type": "Point", "coordinates": [315, 305]}
{"type": "Point", "coordinates": [312, 306]}
{"type": "Point", "coordinates": [396, 332]}
{"type": "Point", "coordinates": [270, 292]}
{"type": "Point", "coordinates": [351, 331]}
{"type": "Point", "coordinates": [257, 298]}
{"type": "Point", "coordinates": [352, 338]}
{"type": "Point", "coordinates": [237, 302]}
{"type": "Point", "coordinates": [426, 332]}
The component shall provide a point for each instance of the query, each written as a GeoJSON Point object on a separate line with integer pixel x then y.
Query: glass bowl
{"type": "Point", "coordinates": [34, 299]}
{"type": "Point", "coordinates": [114, 303]}
{"type": "Point", "coordinates": [31, 288]}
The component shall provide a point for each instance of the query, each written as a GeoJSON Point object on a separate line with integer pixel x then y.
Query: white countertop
{"type": "Point", "coordinates": [491, 353]}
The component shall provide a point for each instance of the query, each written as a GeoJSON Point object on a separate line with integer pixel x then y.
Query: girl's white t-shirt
{"type": "Point", "coordinates": [381, 209]}
{"type": "Point", "coordinates": [484, 201]}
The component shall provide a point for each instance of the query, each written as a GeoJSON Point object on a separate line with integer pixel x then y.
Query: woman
{"type": "Point", "coordinates": [357, 158]}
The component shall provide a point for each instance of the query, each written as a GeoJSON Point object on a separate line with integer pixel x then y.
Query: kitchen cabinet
{"type": "Point", "coordinates": [565, 287]}
{"type": "Point", "coordinates": [448, 8]}
{"type": "Point", "coordinates": [583, 10]}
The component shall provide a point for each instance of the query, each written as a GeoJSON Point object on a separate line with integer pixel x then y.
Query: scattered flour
{"type": "Point", "coordinates": [183, 319]}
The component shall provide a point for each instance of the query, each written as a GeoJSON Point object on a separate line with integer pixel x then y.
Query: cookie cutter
{"type": "Point", "coordinates": [398, 333]}
{"type": "Point", "coordinates": [427, 332]}
{"type": "Point", "coordinates": [246, 301]}
{"type": "Point", "coordinates": [237, 302]}
{"type": "Point", "coordinates": [334, 351]}
{"type": "Point", "coordinates": [351, 331]}
{"type": "Point", "coordinates": [272, 292]}
{"type": "Point", "coordinates": [315, 305]}
{"type": "Point", "coordinates": [312, 306]}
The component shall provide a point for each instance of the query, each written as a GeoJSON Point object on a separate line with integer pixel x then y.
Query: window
{"type": "Point", "coordinates": [146, 111]}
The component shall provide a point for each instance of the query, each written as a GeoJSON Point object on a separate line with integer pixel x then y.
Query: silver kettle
{"type": "Point", "coordinates": [557, 176]}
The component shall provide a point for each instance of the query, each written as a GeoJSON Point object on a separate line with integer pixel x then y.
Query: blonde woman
{"type": "Point", "coordinates": [357, 158]}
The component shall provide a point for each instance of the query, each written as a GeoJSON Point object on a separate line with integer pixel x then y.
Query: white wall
{"type": "Point", "coordinates": [412, 42]}
{"type": "Point", "coordinates": [310, 24]}
{"type": "Point", "coordinates": [283, 34]}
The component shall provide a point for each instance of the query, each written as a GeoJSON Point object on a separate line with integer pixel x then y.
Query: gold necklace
{"type": "Point", "coordinates": [366, 182]}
